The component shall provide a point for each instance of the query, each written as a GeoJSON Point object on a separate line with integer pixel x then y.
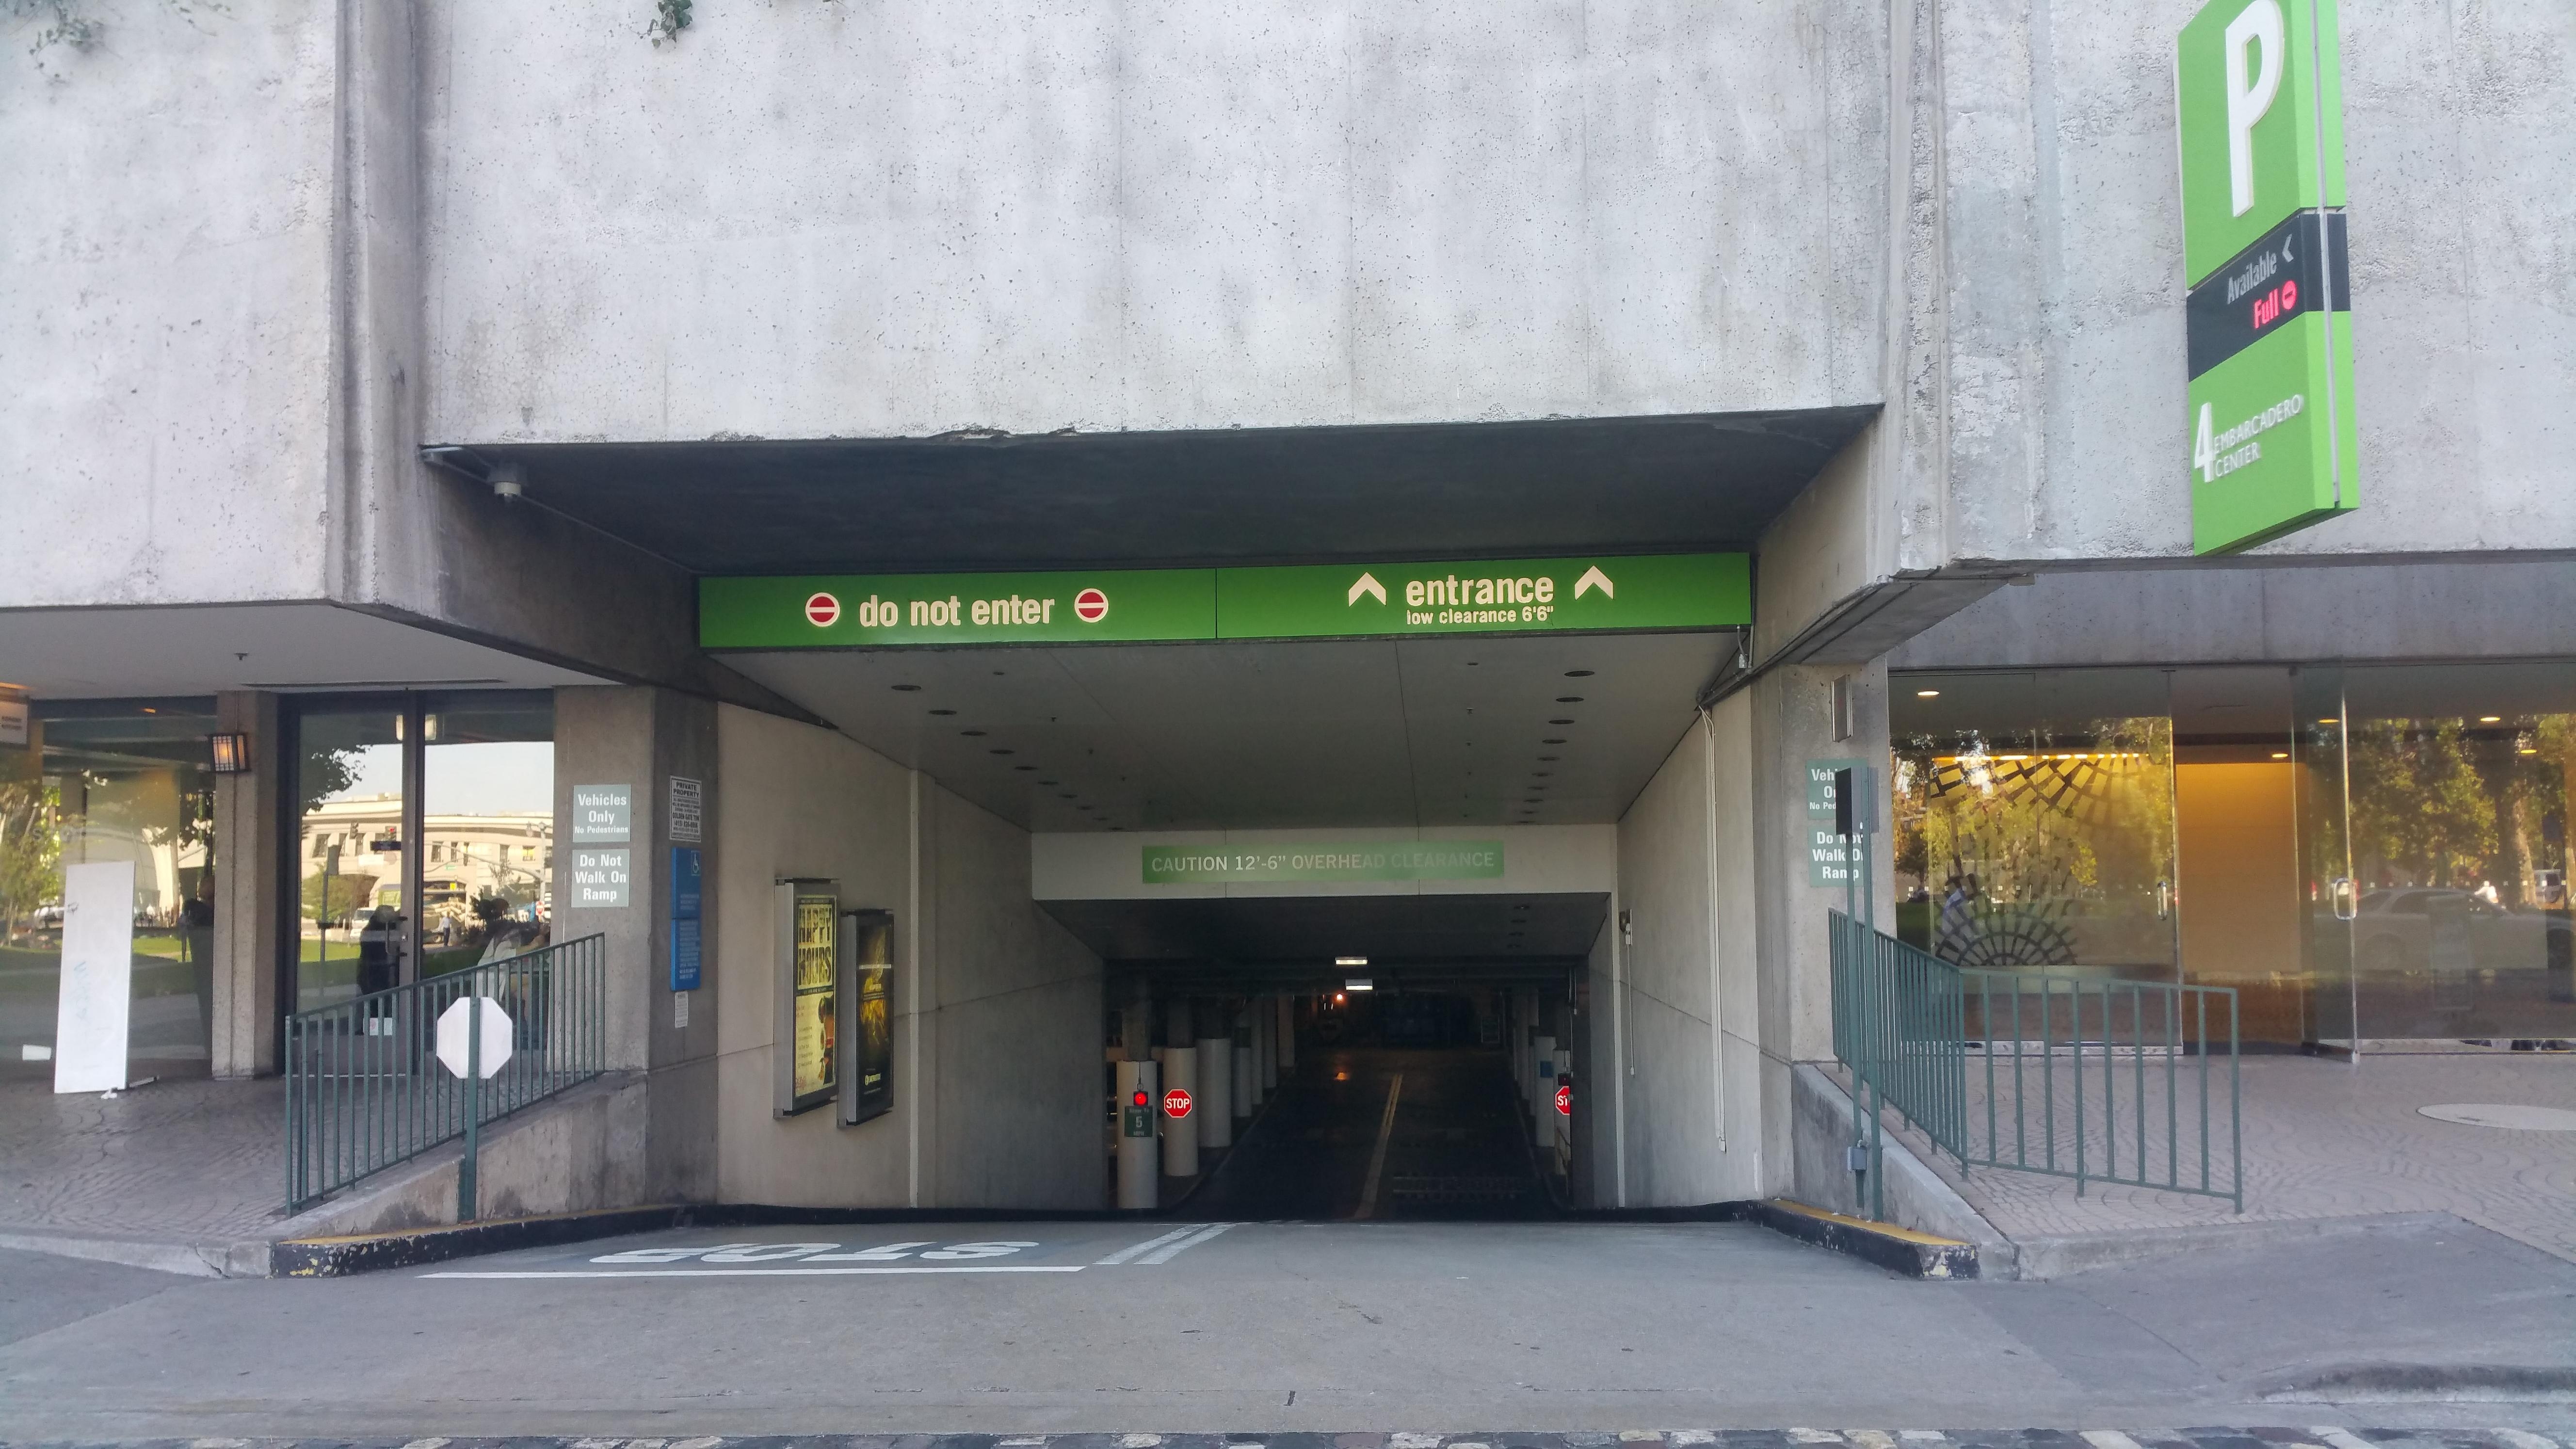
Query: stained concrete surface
{"type": "Point", "coordinates": [1275, 1327]}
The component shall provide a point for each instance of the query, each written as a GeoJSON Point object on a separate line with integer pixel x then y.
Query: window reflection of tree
{"type": "Point", "coordinates": [2441, 803]}
{"type": "Point", "coordinates": [2042, 850]}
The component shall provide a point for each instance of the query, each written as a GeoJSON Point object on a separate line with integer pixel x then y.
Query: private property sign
{"type": "Point", "coordinates": [2259, 101]}
{"type": "Point", "coordinates": [1322, 601]}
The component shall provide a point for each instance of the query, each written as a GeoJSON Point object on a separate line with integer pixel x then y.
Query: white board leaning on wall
{"type": "Point", "coordinates": [98, 977]}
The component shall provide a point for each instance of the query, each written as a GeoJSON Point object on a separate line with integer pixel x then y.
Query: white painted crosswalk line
{"type": "Point", "coordinates": [2523, 1439]}
{"type": "Point", "coordinates": [2334, 1438]}
{"type": "Point", "coordinates": [1147, 1246]}
{"type": "Point", "coordinates": [1164, 1255]}
{"type": "Point", "coordinates": [2109, 1439]}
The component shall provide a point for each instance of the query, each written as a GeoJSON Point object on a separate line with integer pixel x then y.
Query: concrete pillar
{"type": "Point", "coordinates": [1542, 1089]}
{"type": "Point", "coordinates": [1247, 1073]}
{"type": "Point", "coordinates": [1139, 1155]}
{"type": "Point", "coordinates": [1287, 1037]}
{"type": "Point", "coordinates": [1181, 1135]}
{"type": "Point", "coordinates": [1265, 1036]}
{"type": "Point", "coordinates": [1136, 1024]}
{"type": "Point", "coordinates": [1216, 1091]}
{"type": "Point", "coordinates": [642, 738]}
{"type": "Point", "coordinates": [252, 934]}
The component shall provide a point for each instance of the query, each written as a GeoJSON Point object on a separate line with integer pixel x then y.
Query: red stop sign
{"type": "Point", "coordinates": [1176, 1103]}
{"type": "Point", "coordinates": [822, 610]}
{"type": "Point", "coordinates": [1565, 1101]}
{"type": "Point", "coordinates": [1091, 606]}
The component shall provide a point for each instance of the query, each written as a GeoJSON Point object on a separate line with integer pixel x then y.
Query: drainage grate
{"type": "Point", "coordinates": [1459, 1189]}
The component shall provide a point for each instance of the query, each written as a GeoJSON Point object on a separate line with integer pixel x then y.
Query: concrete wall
{"type": "Point", "coordinates": [2493, 609]}
{"type": "Point", "coordinates": [838, 220]}
{"type": "Point", "coordinates": [1687, 987]}
{"type": "Point", "coordinates": [166, 317]}
{"type": "Point", "coordinates": [997, 1009]}
{"type": "Point", "coordinates": [2061, 235]}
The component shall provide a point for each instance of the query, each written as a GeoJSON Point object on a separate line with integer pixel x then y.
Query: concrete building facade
{"type": "Point", "coordinates": [382, 362]}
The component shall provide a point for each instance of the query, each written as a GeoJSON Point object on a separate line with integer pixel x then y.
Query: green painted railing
{"type": "Point", "coordinates": [365, 1088]}
{"type": "Point", "coordinates": [2130, 1083]}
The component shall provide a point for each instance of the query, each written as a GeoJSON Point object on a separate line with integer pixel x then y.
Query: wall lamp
{"type": "Point", "coordinates": [231, 753]}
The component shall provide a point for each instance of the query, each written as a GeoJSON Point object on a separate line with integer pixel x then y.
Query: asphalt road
{"type": "Point", "coordinates": [1255, 1328]}
{"type": "Point", "coordinates": [1383, 1133]}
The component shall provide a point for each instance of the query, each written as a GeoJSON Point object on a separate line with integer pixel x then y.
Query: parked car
{"type": "Point", "coordinates": [2451, 931]}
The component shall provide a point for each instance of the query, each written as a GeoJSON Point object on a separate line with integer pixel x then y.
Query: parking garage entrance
{"type": "Point", "coordinates": [1344, 838]}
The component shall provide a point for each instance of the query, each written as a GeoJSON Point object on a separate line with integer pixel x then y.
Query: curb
{"type": "Point", "coordinates": [1899, 1250]}
{"type": "Point", "coordinates": [338, 1257]}
{"type": "Point", "coordinates": [2400, 1383]}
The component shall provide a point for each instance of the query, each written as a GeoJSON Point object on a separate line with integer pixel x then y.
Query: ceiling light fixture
{"type": "Point", "coordinates": [1927, 694]}
{"type": "Point", "coordinates": [1560, 721]}
{"type": "Point", "coordinates": [943, 711]}
{"type": "Point", "coordinates": [1350, 960]}
{"type": "Point", "coordinates": [2491, 719]}
{"type": "Point", "coordinates": [1578, 674]}
{"type": "Point", "coordinates": [907, 689]}
{"type": "Point", "coordinates": [972, 734]}
{"type": "Point", "coordinates": [1569, 699]}
{"type": "Point", "coordinates": [2280, 754]}
{"type": "Point", "coordinates": [1359, 983]}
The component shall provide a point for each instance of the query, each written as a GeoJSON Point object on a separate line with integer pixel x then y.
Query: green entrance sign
{"type": "Point", "coordinates": [1324, 601]}
{"type": "Point", "coordinates": [1330, 861]}
{"type": "Point", "coordinates": [1514, 596]}
{"type": "Point", "coordinates": [2274, 443]}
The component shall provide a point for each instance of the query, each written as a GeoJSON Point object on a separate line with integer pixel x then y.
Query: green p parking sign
{"type": "Point", "coordinates": [2274, 445]}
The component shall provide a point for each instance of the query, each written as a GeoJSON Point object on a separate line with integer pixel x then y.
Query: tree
{"type": "Point", "coordinates": [31, 849]}
{"type": "Point", "coordinates": [347, 893]}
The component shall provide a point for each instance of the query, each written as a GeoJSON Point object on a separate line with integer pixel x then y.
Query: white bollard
{"type": "Point", "coordinates": [1215, 1112]}
{"type": "Point", "coordinates": [1139, 1155]}
{"type": "Point", "coordinates": [1180, 1134]}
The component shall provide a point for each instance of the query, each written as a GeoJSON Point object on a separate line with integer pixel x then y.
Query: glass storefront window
{"type": "Point", "coordinates": [487, 797]}
{"type": "Point", "coordinates": [103, 781]}
{"type": "Point", "coordinates": [353, 927]}
{"type": "Point", "coordinates": [425, 836]}
{"type": "Point", "coordinates": [2460, 780]}
{"type": "Point", "coordinates": [2034, 820]}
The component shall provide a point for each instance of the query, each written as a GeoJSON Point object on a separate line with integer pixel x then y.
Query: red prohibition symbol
{"type": "Point", "coordinates": [1565, 1101]}
{"type": "Point", "coordinates": [1091, 606]}
{"type": "Point", "coordinates": [1176, 1103]}
{"type": "Point", "coordinates": [822, 610]}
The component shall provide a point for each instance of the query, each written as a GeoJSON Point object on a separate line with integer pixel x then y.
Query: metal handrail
{"type": "Point", "coordinates": [2093, 1078]}
{"type": "Point", "coordinates": [365, 1089]}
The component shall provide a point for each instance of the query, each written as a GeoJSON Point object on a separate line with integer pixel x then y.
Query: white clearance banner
{"type": "Point", "coordinates": [98, 977]}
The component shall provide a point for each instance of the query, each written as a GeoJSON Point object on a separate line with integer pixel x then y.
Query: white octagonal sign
{"type": "Point", "coordinates": [452, 1041]}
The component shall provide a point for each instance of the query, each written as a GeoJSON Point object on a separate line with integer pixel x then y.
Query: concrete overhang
{"type": "Point", "coordinates": [1247, 495]}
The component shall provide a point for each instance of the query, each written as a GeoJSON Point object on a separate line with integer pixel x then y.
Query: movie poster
{"type": "Point", "coordinates": [814, 1042]}
{"type": "Point", "coordinates": [871, 984]}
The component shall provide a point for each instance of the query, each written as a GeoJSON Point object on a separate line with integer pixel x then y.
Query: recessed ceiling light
{"type": "Point", "coordinates": [1927, 694]}
{"type": "Point", "coordinates": [1578, 674]}
{"type": "Point", "coordinates": [907, 689]}
{"type": "Point", "coordinates": [1547, 757]}
{"type": "Point", "coordinates": [1552, 742]}
{"type": "Point", "coordinates": [2280, 754]}
{"type": "Point", "coordinates": [1005, 752]}
{"type": "Point", "coordinates": [2491, 719]}
{"type": "Point", "coordinates": [1569, 699]}
{"type": "Point", "coordinates": [2330, 719]}
{"type": "Point", "coordinates": [1350, 960]}
{"type": "Point", "coordinates": [1560, 721]}
{"type": "Point", "coordinates": [972, 734]}
{"type": "Point", "coordinates": [943, 711]}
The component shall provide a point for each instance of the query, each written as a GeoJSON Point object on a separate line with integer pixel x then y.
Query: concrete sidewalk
{"type": "Point", "coordinates": [1441, 1328]}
